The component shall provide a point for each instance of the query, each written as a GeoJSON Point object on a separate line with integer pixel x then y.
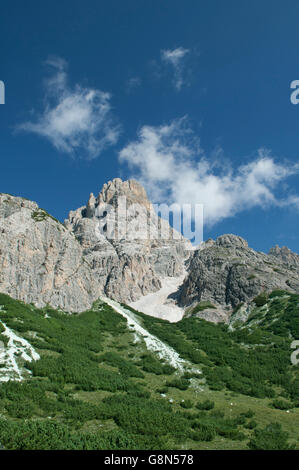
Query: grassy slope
{"type": "Point", "coordinates": [95, 388]}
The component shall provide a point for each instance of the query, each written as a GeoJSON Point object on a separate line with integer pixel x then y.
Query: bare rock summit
{"type": "Point", "coordinates": [70, 265]}
{"type": "Point", "coordinates": [226, 272]}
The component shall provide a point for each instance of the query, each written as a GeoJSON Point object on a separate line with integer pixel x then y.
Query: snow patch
{"type": "Point", "coordinates": [158, 304]}
{"type": "Point", "coordinates": [16, 348]}
{"type": "Point", "coordinates": [154, 344]}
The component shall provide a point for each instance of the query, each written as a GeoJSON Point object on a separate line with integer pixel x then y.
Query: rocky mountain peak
{"type": "Point", "coordinates": [90, 207]}
{"type": "Point", "coordinates": [131, 189]}
{"type": "Point", "coordinates": [12, 204]}
{"type": "Point", "coordinates": [124, 245]}
{"type": "Point", "coordinates": [228, 272]}
{"type": "Point", "coordinates": [285, 254]}
{"type": "Point", "coordinates": [111, 194]}
{"type": "Point", "coordinates": [231, 240]}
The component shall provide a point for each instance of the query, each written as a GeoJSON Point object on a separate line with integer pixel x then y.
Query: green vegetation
{"type": "Point", "coordinates": [201, 306]}
{"type": "Point", "coordinates": [253, 361]}
{"type": "Point", "coordinates": [95, 388]}
{"type": "Point", "coordinates": [270, 438]}
{"type": "Point", "coordinates": [205, 405]}
{"type": "Point", "coordinates": [41, 214]}
{"type": "Point", "coordinates": [261, 299]}
{"type": "Point", "coordinates": [282, 404]}
{"type": "Point", "coordinates": [187, 404]}
{"type": "Point", "coordinates": [277, 293]}
{"type": "Point", "coordinates": [3, 338]}
{"type": "Point", "coordinates": [181, 384]}
{"type": "Point", "coordinates": [149, 363]}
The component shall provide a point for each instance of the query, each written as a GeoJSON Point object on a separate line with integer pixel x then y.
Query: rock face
{"type": "Point", "coordinates": [41, 262]}
{"type": "Point", "coordinates": [285, 255]}
{"type": "Point", "coordinates": [120, 235]}
{"type": "Point", "coordinates": [69, 266]}
{"type": "Point", "coordinates": [226, 272]}
{"type": "Point", "coordinates": [118, 247]}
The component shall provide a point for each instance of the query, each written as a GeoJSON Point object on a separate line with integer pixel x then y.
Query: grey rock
{"type": "Point", "coordinates": [228, 272]}
{"type": "Point", "coordinates": [69, 266]}
{"type": "Point", "coordinates": [285, 255]}
{"type": "Point", "coordinates": [132, 266]}
{"type": "Point", "coordinates": [40, 261]}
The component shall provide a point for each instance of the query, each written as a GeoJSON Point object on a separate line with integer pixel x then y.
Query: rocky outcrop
{"type": "Point", "coordinates": [41, 262]}
{"type": "Point", "coordinates": [69, 266]}
{"type": "Point", "coordinates": [285, 255]}
{"type": "Point", "coordinates": [226, 272]}
{"type": "Point", "coordinates": [120, 234]}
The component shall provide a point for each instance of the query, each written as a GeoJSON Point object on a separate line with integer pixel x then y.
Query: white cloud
{"type": "Point", "coordinates": [175, 59]}
{"type": "Point", "coordinates": [292, 200]}
{"type": "Point", "coordinates": [75, 120]}
{"type": "Point", "coordinates": [172, 167]}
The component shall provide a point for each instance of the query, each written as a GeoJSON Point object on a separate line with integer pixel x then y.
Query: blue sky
{"type": "Point", "coordinates": [190, 97]}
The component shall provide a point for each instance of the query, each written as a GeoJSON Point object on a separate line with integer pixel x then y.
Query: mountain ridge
{"type": "Point", "coordinates": [71, 265]}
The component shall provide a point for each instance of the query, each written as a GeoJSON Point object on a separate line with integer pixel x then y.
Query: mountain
{"type": "Point", "coordinates": [69, 265]}
{"type": "Point", "coordinates": [117, 246]}
{"type": "Point", "coordinates": [41, 262]}
{"type": "Point", "coordinates": [225, 273]}
{"type": "Point", "coordinates": [285, 255]}
{"type": "Point", "coordinates": [111, 377]}
{"type": "Point", "coordinates": [132, 259]}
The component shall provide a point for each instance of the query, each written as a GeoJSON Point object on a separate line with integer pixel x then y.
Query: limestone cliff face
{"type": "Point", "coordinates": [41, 262]}
{"type": "Point", "coordinates": [226, 272]}
{"type": "Point", "coordinates": [130, 260]}
{"type": "Point", "coordinates": [285, 255]}
{"type": "Point", "coordinates": [69, 266]}
{"type": "Point", "coordinates": [116, 245]}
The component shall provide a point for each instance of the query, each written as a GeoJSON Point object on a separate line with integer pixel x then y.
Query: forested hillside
{"type": "Point", "coordinates": [98, 384]}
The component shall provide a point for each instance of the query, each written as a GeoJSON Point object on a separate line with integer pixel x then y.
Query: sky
{"type": "Point", "coordinates": [192, 98]}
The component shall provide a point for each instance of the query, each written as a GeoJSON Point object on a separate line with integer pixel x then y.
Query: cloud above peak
{"type": "Point", "coordinates": [76, 120]}
{"type": "Point", "coordinates": [175, 58]}
{"type": "Point", "coordinates": [168, 161]}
